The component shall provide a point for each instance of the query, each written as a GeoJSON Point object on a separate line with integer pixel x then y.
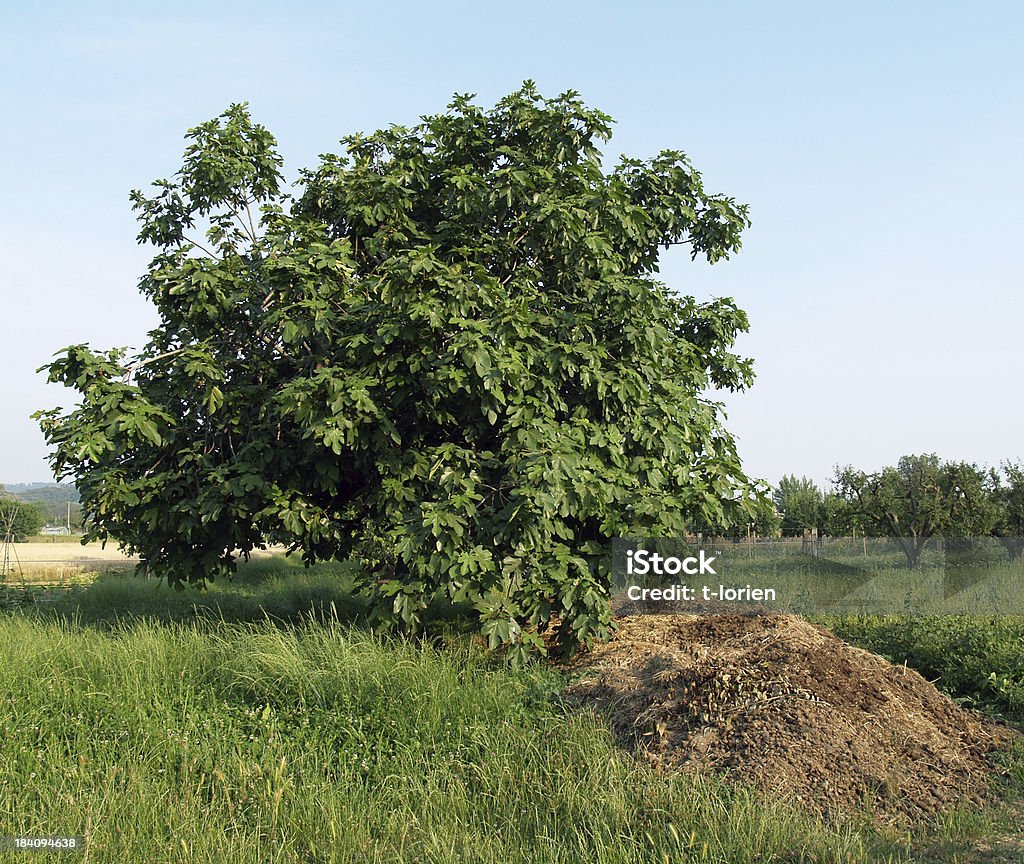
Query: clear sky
{"type": "Point", "coordinates": [879, 147]}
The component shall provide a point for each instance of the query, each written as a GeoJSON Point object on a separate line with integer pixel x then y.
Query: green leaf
{"type": "Point", "coordinates": [148, 428]}
{"type": "Point", "coordinates": [214, 400]}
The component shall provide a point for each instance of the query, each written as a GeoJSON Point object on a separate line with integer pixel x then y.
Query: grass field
{"type": "Point", "coordinates": [259, 721]}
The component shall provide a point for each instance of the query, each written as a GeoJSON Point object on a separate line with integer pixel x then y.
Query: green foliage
{"type": "Point", "coordinates": [767, 521]}
{"type": "Point", "coordinates": [18, 518]}
{"type": "Point", "coordinates": [448, 357]}
{"type": "Point", "coordinates": [803, 506]}
{"type": "Point", "coordinates": [799, 501]}
{"type": "Point", "coordinates": [835, 516]}
{"type": "Point", "coordinates": [764, 521]}
{"type": "Point", "coordinates": [921, 498]}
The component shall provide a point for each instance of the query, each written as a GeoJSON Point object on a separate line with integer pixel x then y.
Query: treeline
{"type": "Point", "coordinates": [919, 498]}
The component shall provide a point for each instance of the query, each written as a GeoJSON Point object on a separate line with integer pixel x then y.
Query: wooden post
{"type": "Point", "coordinates": [814, 543]}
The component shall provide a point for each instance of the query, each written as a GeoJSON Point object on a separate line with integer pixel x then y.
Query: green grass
{"type": "Point", "coordinates": [259, 722]}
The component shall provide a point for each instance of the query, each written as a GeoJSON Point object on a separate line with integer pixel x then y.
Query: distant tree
{"type": "Point", "coordinates": [799, 502]}
{"type": "Point", "coordinates": [767, 520]}
{"type": "Point", "coordinates": [835, 518]}
{"type": "Point", "coordinates": [1007, 493]}
{"type": "Point", "coordinates": [920, 498]}
{"type": "Point", "coordinates": [57, 513]}
{"type": "Point", "coordinates": [23, 520]}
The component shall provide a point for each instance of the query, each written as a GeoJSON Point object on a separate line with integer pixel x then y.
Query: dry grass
{"type": "Point", "coordinates": [69, 562]}
{"type": "Point", "coordinates": [65, 552]}
{"type": "Point", "coordinates": [62, 563]}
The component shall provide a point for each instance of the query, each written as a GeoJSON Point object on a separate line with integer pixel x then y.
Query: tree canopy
{"type": "Point", "coordinates": [447, 355]}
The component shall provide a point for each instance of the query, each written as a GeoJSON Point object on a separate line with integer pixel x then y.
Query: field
{"type": "Point", "coordinates": [62, 560]}
{"type": "Point", "coordinates": [261, 721]}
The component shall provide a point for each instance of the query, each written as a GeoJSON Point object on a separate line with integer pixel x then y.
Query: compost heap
{"type": "Point", "coordinates": [780, 704]}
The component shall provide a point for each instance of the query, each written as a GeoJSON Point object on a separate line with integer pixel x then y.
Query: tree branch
{"type": "Point", "coordinates": [140, 363]}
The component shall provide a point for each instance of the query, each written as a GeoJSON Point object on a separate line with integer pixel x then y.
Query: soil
{"type": "Point", "coordinates": [775, 702]}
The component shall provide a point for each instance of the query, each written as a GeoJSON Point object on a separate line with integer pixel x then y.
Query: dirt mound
{"type": "Point", "coordinates": [789, 708]}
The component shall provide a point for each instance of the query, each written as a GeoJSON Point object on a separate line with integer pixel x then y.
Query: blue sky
{"type": "Point", "coordinates": [878, 146]}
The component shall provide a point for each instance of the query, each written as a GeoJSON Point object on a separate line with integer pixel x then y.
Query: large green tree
{"type": "Point", "coordinates": [448, 356]}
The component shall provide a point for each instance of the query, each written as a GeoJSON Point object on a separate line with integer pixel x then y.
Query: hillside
{"type": "Point", "coordinates": [51, 498]}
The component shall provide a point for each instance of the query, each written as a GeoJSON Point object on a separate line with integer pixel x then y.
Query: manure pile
{"type": "Point", "coordinates": [787, 707]}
